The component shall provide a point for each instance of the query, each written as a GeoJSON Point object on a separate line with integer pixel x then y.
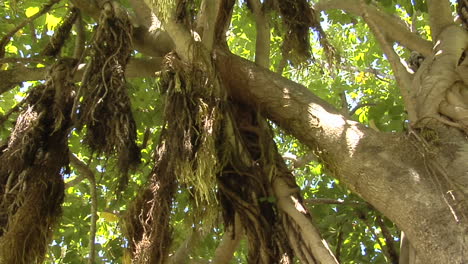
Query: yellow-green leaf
{"type": "Point", "coordinates": [52, 21]}
{"type": "Point", "coordinates": [31, 11]}
{"type": "Point", "coordinates": [11, 49]}
{"type": "Point", "coordinates": [109, 217]}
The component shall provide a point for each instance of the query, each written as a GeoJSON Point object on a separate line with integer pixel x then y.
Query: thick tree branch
{"type": "Point", "coordinates": [392, 27]}
{"type": "Point", "coordinates": [206, 22]}
{"type": "Point", "coordinates": [440, 16]}
{"type": "Point", "coordinates": [143, 14]}
{"type": "Point", "coordinates": [262, 44]}
{"type": "Point", "coordinates": [367, 161]}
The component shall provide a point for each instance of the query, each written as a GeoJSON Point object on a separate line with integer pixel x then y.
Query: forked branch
{"type": "Point", "coordinates": [391, 27]}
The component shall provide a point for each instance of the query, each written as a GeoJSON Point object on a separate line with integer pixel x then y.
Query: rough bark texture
{"type": "Point", "coordinates": [387, 170]}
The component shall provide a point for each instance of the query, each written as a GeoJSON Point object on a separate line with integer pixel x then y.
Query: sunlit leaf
{"type": "Point", "coordinates": [31, 11]}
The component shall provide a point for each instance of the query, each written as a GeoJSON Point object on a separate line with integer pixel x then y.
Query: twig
{"type": "Point", "coordinates": [390, 245]}
{"type": "Point", "coordinates": [357, 107]}
{"type": "Point", "coordinates": [339, 243]}
{"type": "Point", "coordinates": [4, 41]}
{"type": "Point", "coordinates": [86, 171]}
{"type": "Point", "coordinates": [331, 201]}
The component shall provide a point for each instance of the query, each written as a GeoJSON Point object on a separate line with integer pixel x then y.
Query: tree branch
{"type": "Point", "coordinates": [143, 14]}
{"type": "Point", "coordinates": [310, 234]}
{"type": "Point", "coordinates": [440, 16]}
{"type": "Point", "coordinates": [389, 243]}
{"type": "Point", "coordinates": [367, 161]}
{"type": "Point", "coordinates": [402, 76]}
{"type": "Point", "coordinates": [331, 201]}
{"type": "Point", "coordinates": [80, 40]}
{"type": "Point", "coordinates": [229, 243]}
{"type": "Point", "coordinates": [18, 74]}
{"type": "Point", "coordinates": [206, 23]}
{"type": "Point", "coordinates": [86, 171]}
{"type": "Point", "coordinates": [181, 255]}
{"type": "Point", "coordinates": [392, 27]}
{"type": "Point", "coordinates": [262, 44]}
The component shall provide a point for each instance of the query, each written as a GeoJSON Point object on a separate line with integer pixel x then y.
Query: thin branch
{"type": "Point", "coordinates": [75, 181]}
{"type": "Point", "coordinates": [403, 77]}
{"type": "Point", "coordinates": [392, 27]}
{"type": "Point", "coordinates": [4, 41]}
{"type": "Point", "coordinates": [331, 201]}
{"type": "Point", "coordinates": [36, 59]}
{"type": "Point", "coordinates": [389, 242]}
{"type": "Point", "coordinates": [440, 16]}
{"type": "Point", "coordinates": [359, 106]}
{"type": "Point", "coordinates": [339, 244]}
{"type": "Point", "coordinates": [301, 161]}
{"type": "Point", "coordinates": [262, 44]}
{"type": "Point", "coordinates": [88, 173]}
{"type": "Point", "coordinates": [380, 75]}
{"type": "Point", "coordinates": [365, 219]}
{"type": "Point", "coordinates": [80, 37]}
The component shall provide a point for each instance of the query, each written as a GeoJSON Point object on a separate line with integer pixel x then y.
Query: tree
{"type": "Point", "coordinates": [215, 140]}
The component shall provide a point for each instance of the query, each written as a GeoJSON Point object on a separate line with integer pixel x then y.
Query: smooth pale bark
{"type": "Point", "coordinates": [384, 168]}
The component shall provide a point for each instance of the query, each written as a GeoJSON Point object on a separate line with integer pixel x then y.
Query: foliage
{"type": "Point", "coordinates": [361, 83]}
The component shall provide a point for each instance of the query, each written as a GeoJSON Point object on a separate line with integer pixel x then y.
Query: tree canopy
{"type": "Point", "coordinates": [223, 131]}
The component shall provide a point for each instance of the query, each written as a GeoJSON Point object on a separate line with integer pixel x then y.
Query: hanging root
{"type": "Point", "coordinates": [106, 109]}
{"type": "Point", "coordinates": [245, 186]}
{"type": "Point", "coordinates": [186, 155]}
{"type": "Point", "coordinates": [31, 187]}
{"type": "Point", "coordinates": [296, 45]}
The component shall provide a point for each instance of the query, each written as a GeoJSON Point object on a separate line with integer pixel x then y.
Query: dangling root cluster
{"type": "Point", "coordinates": [106, 109]}
{"type": "Point", "coordinates": [31, 186]}
{"type": "Point", "coordinates": [296, 46]}
{"type": "Point", "coordinates": [245, 185]}
{"type": "Point", "coordinates": [209, 142]}
{"type": "Point", "coordinates": [187, 155]}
